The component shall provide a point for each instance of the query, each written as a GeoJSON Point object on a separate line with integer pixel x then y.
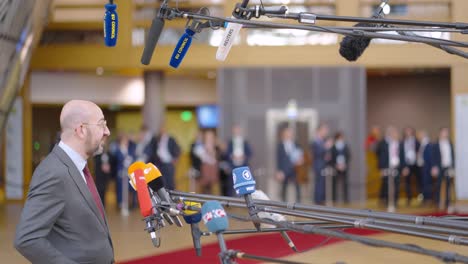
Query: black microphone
{"type": "Point", "coordinates": [352, 47]}
{"type": "Point", "coordinates": [193, 218]}
{"type": "Point", "coordinates": [154, 33]}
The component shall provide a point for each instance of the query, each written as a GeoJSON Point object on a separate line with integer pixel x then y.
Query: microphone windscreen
{"type": "Point", "coordinates": [192, 217]}
{"type": "Point", "coordinates": [111, 25]}
{"type": "Point", "coordinates": [144, 199]}
{"type": "Point", "coordinates": [351, 47]}
{"type": "Point", "coordinates": [138, 165]}
{"type": "Point", "coordinates": [244, 183]}
{"type": "Point", "coordinates": [214, 217]}
{"type": "Point", "coordinates": [260, 195]}
{"type": "Point", "coordinates": [181, 48]}
{"type": "Point", "coordinates": [153, 176]}
{"type": "Point", "coordinates": [232, 30]}
{"type": "Point", "coordinates": [152, 39]}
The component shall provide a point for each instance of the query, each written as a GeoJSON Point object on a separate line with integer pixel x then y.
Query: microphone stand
{"type": "Point", "coordinates": [398, 218]}
{"type": "Point", "coordinates": [444, 256]}
{"type": "Point", "coordinates": [166, 12]}
{"type": "Point", "coordinates": [233, 254]}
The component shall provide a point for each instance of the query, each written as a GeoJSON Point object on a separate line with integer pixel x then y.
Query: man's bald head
{"type": "Point", "coordinates": [74, 113]}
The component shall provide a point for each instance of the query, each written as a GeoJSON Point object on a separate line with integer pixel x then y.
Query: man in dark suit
{"type": "Point", "coordinates": [443, 164]}
{"type": "Point", "coordinates": [238, 149]}
{"type": "Point", "coordinates": [341, 158]}
{"type": "Point", "coordinates": [424, 165]}
{"type": "Point", "coordinates": [238, 154]}
{"type": "Point", "coordinates": [409, 147]}
{"type": "Point", "coordinates": [102, 171]}
{"type": "Point", "coordinates": [288, 155]}
{"type": "Point", "coordinates": [163, 151]}
{"type": "Point", "coordinates": [63, 220]}
{"type": "Point", "coordinates": [319, 149]}
{"type": "Point", "coordinates": [389, 158]}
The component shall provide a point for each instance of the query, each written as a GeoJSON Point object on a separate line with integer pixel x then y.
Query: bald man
{"type": "Point", "coordinates": [63, 220]}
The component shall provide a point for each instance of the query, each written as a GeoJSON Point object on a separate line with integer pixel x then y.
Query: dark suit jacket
{"type": "Point", "coordinates": [194, 159]}
{"type": "Point", "coordinates": [60, 222]}
{"type": "Point", "coordinates": [247, 153]}
{"type": "Point", "coordinates": [436, 155]}
{"type": "Point", "coordinates": [383, 155]}
{"type": "Point", "coordinates": [402, 152]}
{"type": "Point", "coordinates": [337, 152]}
{"type": "Point", "coordinates": [319, 153]}
{"type": "Point", "coordinates": [283, 162]}
{"type": "Point", "coordinates": [152, 149]}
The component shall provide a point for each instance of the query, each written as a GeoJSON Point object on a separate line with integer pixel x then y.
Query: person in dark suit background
{"type": "Point", "coordinates": [409, 146]}
{"type": "Point", "coordinates": [443, 164]}
{"type": "Point", "coordinates": [238, 154]}
{"type": "Point", "coordinates": [424, 165]}
{"type": "Point", "coordinates": [102, 170]}
{"type": "Point", "coordinates": [238, 151]}
{"type": "Point", "coordinates": [288, 156]}
{"type": "Point", "coordinates": [63, 220]}
{"type": "Point", "coordinates": [341, 159]}
{"type": "Point", "coordinates": [319, 151]}
{"type": "Point", "coordinates": [389, 158]}
{"type": "Point", "coordinates": [123, 151]}
{"type": "Point", "coordinates": [163, 151]}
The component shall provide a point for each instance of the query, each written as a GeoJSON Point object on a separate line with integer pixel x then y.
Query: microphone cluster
{"type": "Point", "coordinates": [158, 206]}
{"type": "Point", "coordinates": [357, 38]}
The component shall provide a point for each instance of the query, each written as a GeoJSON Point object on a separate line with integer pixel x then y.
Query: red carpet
{"type": "Point", "coordinates": [268, 245]}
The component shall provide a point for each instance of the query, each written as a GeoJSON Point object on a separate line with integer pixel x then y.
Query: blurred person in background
{"type": "Point", "coordinates": [103, 172]}
{"type": "Point", "coordinates": [143, 139]}
{"type": "Point", "coordinates": [424, 165]}
{"type": "Point", "coordinates": [238, 154]}
{"type": "Point", "coordinates": [239, 151]}
{"type": "Point", "coordinates": [443, 164]}
{"type": "Point", "coordinates": [195, 160]}
{"type": "Point", "coordinates": [288, 155]}
{"type": "Point", "coordinates": [341, 159]}
{"type": "Point", "coordinates": [163, 151]}
{"type": "Point", "coordinates": [410, 147]}
{"type": "Point", "coordinates": [208, 152]}
{"type": "Point", "coordinates": [123, 153]}
{"type": "Point", "coordinates": [319, 150]}
{"type": "Point", "coordinates": [389, 160]}
{"type": "Point", "coordinates": [373, 139]}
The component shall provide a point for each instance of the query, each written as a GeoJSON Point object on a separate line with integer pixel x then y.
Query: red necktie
{"type": "Point", "coordinates": [93, 190]}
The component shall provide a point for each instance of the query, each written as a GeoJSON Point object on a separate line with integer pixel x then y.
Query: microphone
{"type": "Point", "coordinates": [193, 218]}
{"type": "Point", "coordinates": [260, 195]}
{"type": "Point", "coordinates": [351, 47]}
{"type": "Point", "coordinates": [231, 32]}
{"type": "Point", "coordinates": [155, 181]}
{"type": "Point", "coordinates": [181, 48]}
{"type": "Point", "coordinates": [152, 178]}
{"type": "Point", "coordinates": [215, 219]}
{"type": "Point", "coordinates": [137, 165]}
{"type": "Point", "coordinates": [145, 203]}
{"type": "Point", "coordinates": [154, 33]}
{"type": "Point", "coordinates": [184, 43]}
{"type": "Point", "coordinates": [111, 24]}
{"type": "Point", "coordinates": [244, 184]}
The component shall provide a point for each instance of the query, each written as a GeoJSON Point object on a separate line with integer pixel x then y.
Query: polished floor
{"type": "Point", "coordinates": [131, 241]}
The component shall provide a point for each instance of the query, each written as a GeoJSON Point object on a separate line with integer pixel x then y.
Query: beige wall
{"type": "Point", "coordinates": [50, 87]}
{"type": "Point", "coordinates": [422, 100]}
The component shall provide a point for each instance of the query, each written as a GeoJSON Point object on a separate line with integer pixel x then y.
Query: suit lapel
{"type": "Point", "coordinates": [80, 183]}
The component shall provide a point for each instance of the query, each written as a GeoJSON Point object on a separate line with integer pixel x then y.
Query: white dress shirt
{"type": "Point", "coordinates": [79, 162]}
{"type": "Point", "coordinates": [445, 153]}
